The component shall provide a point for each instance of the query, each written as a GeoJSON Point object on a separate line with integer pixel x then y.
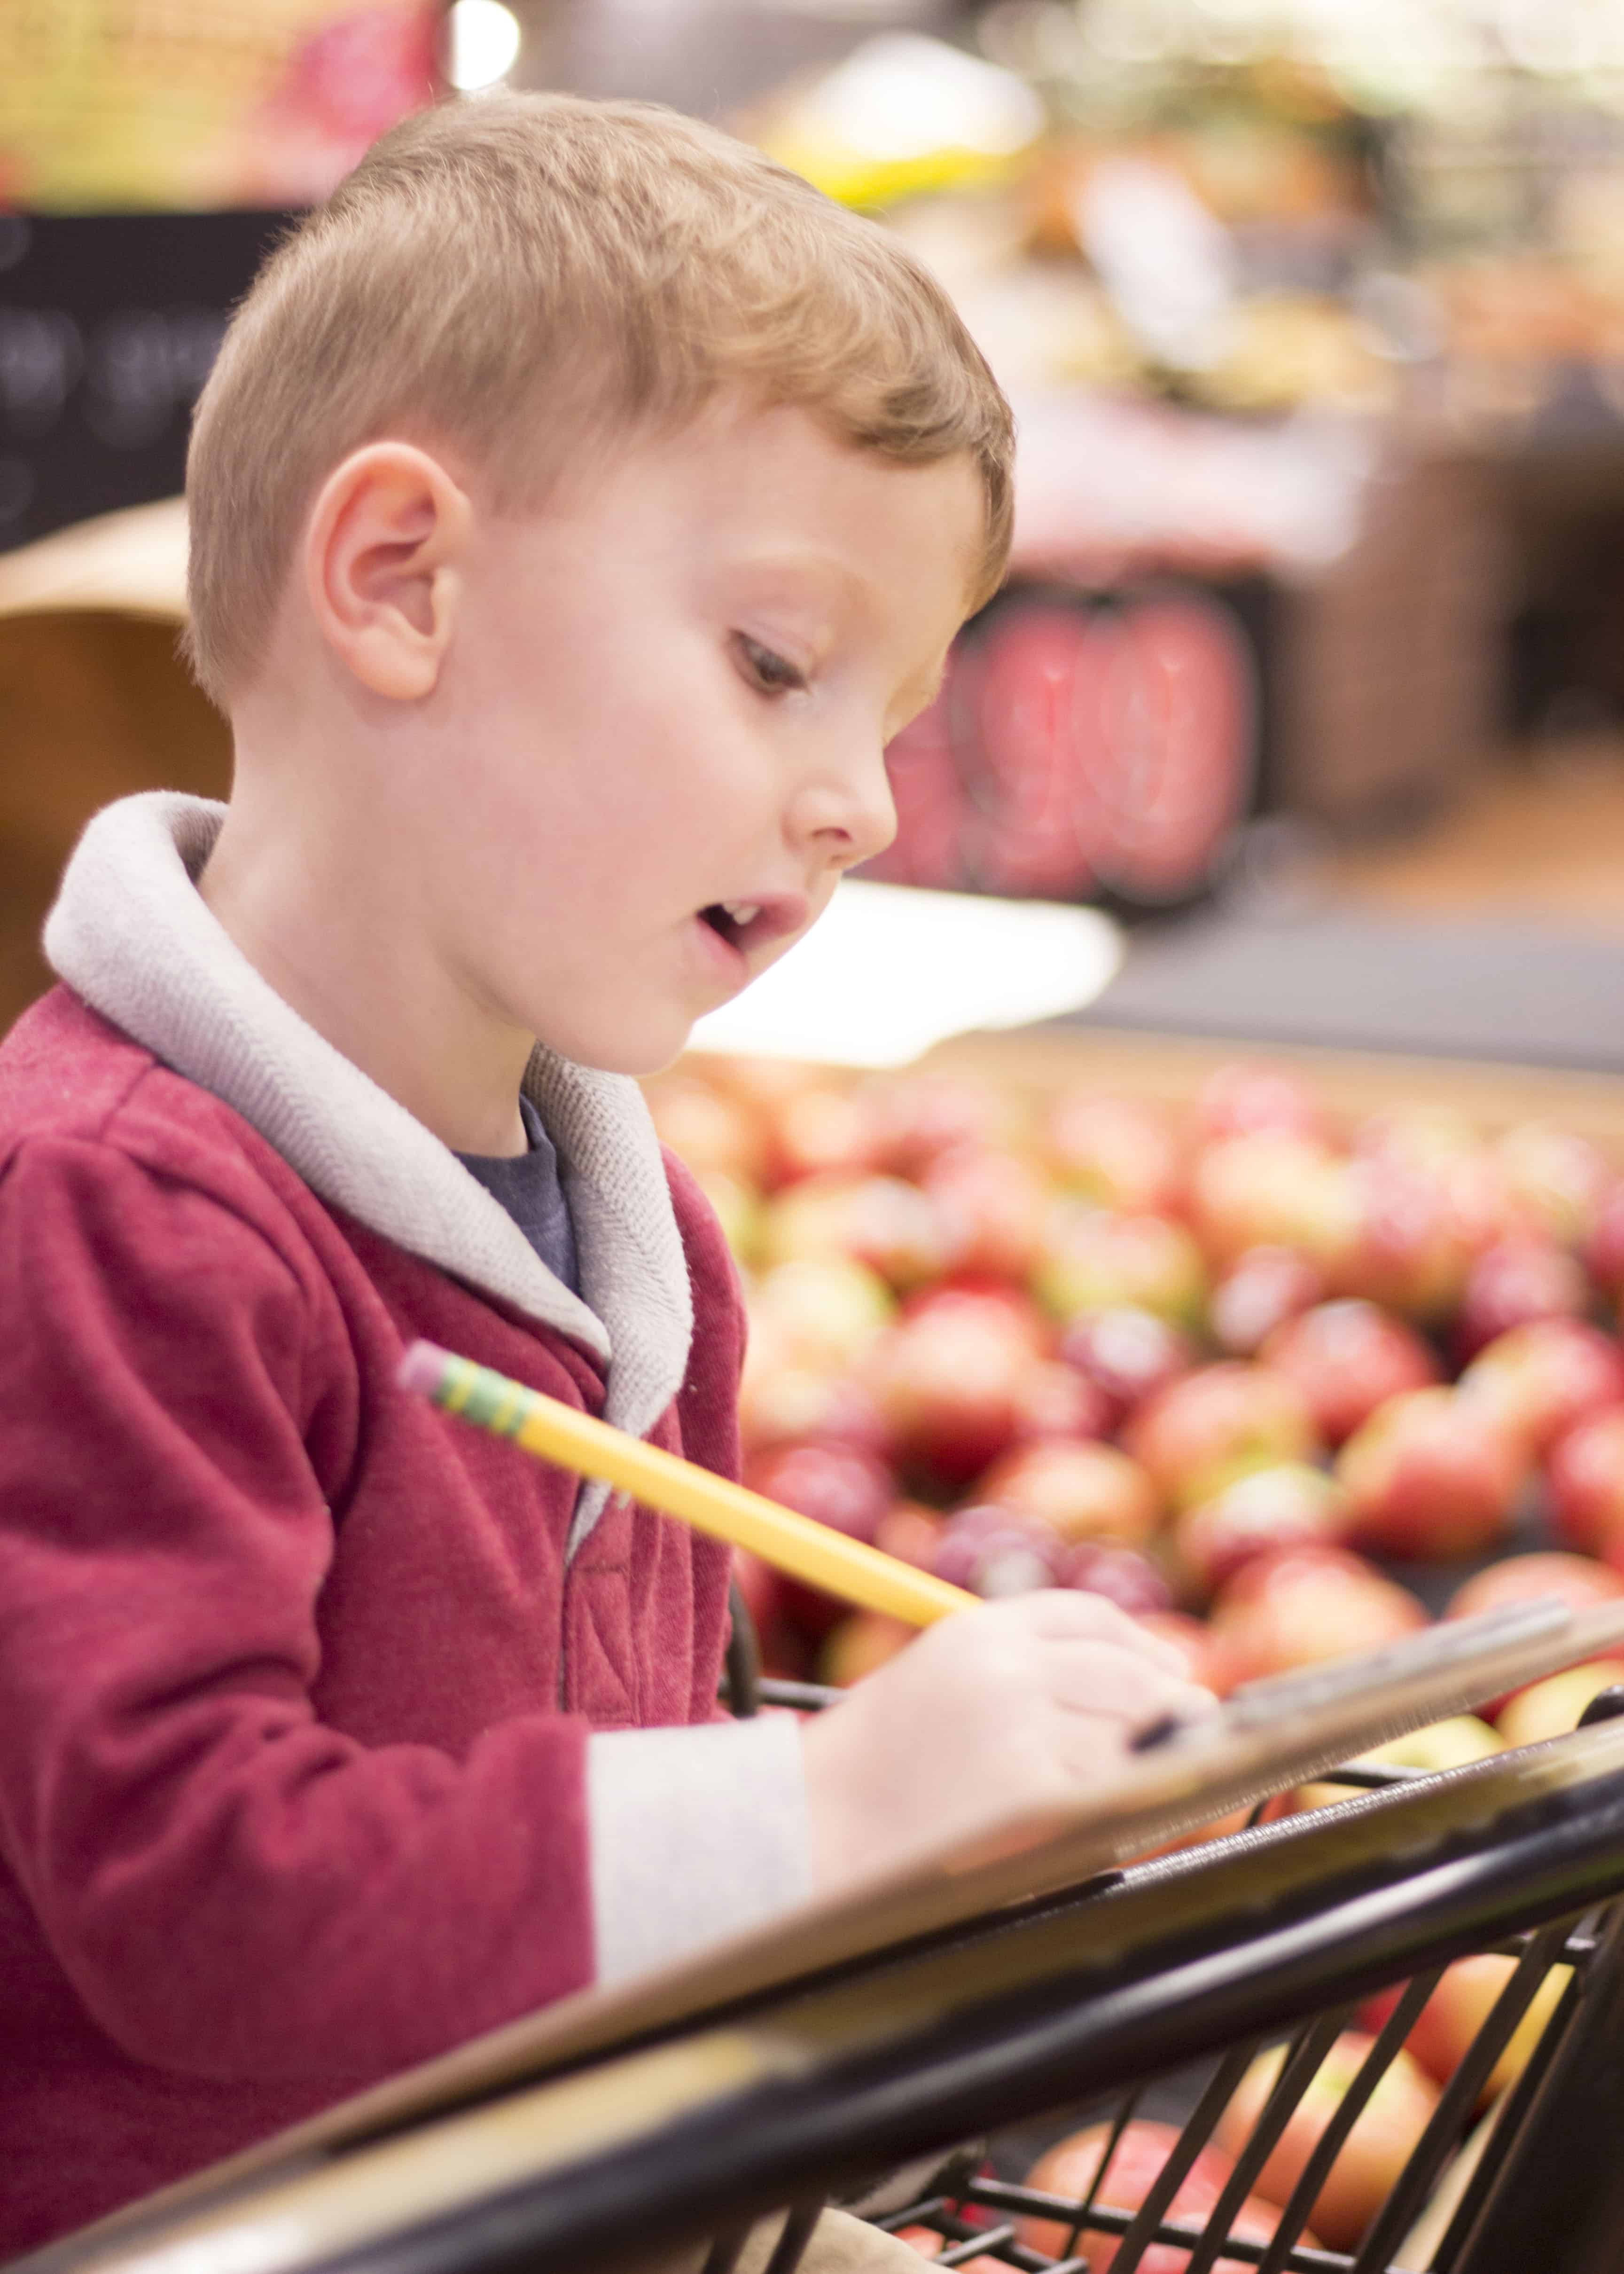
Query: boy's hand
{"type": "Point", "coordinates": [1014, 1708]}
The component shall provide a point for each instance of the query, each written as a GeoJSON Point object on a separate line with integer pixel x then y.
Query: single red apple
{"type": "Point", "coordinates": [1550, 1708]}
{"type": "Point", "coordinates": [1126, 1354]}
{"type": "Point", "coordinates": [708, 1129]}
{"type": "Point", "coordinates": [948, 1381]}
{"type": "Point", "coordinates": [1411, 1250]}
{"type": "Point", "coordinates": [1069, 2168]}
{"type": "Point", "coordinates": [1097, 1259]}
{"type": "Point", "coordinates": [840, 1486]}
{"type": "Point", "coordinates": [1542, 1380]}
{"type": "Point", "coordinates": [1443, 2032]}
{"type": "Point", "coordinates": [1214, 1424]}
{"type": "Point", "coordinates": [1081, 1488]}
{"type": "Point", "coordinates": [994, 1554]}
{"type": "Point", "coordinates": [1274, 1189]}
{"type": "Point", "coordinates": [881, 1221]}
{"type": "Point", "coordinates": [1250, 1095]}
{"type": "Point", "coordinates": [1431, 1473]}
{"type": "Point", "coordinates": [1561, 1178]}
{"type": "Point", "coordinates": [1513, 1281]}
{"type": "Point", "coordinates": [1300, 1607]}
{"type": "Point", "coordinates": [1585, 1477]}
{"type": "Point", "coordinates": [837, 1484]}
{"type": "Point", "coordinates": [1485, 1209]}
{"type": "Point", "coordinates": [1290, 1506]}
{"type": "Point", "coordinates": [1423, 1136]}
{"type": "Point", "coordinates": [820, 1129]}
{"type": "Point", "coordinates": [1117, 1152]}
{"type": "Point", "coordinates": [1007, 1310]}
{"type": "Point", "coordinates": [1122, 1574]}
{"type": "Point", "coordinates": [1578, 1580]}
{"type": "Point", "coordinates": [918, 1116]}
{"type": "Point", "coordinates": [1452, 1153]}
{"type": "Point", "coordinates": [1347, 1358]}
{"type": "Point", "coordinates": [991, 1208]}
{"type": "Point", "coordinates": [794, 1404]}
{"type": "Point", "coordinates": [1261, 1289]}
{"type": "Point", "coordinates": [823, 1313]}
{"type": "Point", "coordinates": [1055, 1400]}
{"type": "Point", "coordinates": [1381, 2143]}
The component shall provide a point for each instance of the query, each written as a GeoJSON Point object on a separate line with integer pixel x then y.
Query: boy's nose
{"type": "Point", "coordinates": [848, 813]}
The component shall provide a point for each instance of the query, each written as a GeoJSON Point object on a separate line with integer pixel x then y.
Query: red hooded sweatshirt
{"type": "Point", "coordinates": [331, 1732]}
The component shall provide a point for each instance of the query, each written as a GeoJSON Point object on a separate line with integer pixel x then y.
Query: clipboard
{"type": "Point", "coordinates": [1268, 1736]}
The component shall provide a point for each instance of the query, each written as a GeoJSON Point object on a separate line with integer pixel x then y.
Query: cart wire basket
{"type": "Point", "coordinates": [1483, 2189]}
{"type": "Point", "coordinates": [914, 2083]}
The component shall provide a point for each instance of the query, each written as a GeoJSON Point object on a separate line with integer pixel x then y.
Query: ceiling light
{"type": "Point", "coordinates": [482, 44]}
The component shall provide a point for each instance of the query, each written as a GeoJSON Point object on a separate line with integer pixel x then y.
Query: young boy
{"type": "Point", "coordinates": [579, 505]}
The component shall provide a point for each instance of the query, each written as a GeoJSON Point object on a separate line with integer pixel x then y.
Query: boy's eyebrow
{"type": "Point", "coordinates": [811, 562]}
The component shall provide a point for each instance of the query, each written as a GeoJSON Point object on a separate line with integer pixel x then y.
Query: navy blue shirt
{"type": "Point", "coordinates": [528, 1186]}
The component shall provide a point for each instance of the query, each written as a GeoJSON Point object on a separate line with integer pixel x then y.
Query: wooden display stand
{"type": "Point", "coordinates": [96, 704]}
{"type": "Point", "coordinates": [1038, 1062]}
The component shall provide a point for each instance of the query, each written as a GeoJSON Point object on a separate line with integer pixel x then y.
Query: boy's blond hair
{"type": "Point", "coordinates": [519, 275]}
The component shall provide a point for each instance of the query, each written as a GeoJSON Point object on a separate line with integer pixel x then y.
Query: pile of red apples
{"type": "Point", "coordinates": [1235, 1366]}
{"type": "Point", "coordinates": [1253, 1374]}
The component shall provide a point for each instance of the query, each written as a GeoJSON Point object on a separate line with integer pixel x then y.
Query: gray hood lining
{"type": "Point", "coordinates": [131, 936]}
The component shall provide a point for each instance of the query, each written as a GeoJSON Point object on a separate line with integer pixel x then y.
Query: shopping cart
{"type": "Point", "coordinates": [1162, 1979]}
{"type": "Point", "coordinates": [1537, 2186]}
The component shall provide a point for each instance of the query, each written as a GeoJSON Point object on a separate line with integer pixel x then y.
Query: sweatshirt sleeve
{"type": "Point", "coordinates": [235, 1890]}
{"type": "Point", "coordinates": [696, 1833]}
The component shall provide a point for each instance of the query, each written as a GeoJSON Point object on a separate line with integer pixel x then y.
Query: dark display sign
{"type": "Point", "coordinates": [109, 324]}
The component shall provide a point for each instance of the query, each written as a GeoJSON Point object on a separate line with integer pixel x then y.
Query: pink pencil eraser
{"type": "Point", "coordinates": [423, 1369]}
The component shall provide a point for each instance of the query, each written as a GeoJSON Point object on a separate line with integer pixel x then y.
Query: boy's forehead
{"type": "Point", "coordinates": [775, 491]}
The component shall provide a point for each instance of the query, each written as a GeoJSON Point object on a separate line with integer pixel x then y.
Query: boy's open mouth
{"type": "Point", "coordinates": [732, 920]}
{"type": "Point", "coordinates": [758, 923]}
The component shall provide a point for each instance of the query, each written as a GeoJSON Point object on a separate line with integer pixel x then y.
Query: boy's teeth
{"type": "Point", "coordinates": [742, 912]}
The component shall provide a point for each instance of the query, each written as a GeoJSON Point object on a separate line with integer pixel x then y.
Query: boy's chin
{"type": "Point", "coordinates": [639, 1055]}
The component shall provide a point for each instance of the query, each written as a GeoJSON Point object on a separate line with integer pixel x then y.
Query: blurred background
{"type": "Point", "coordinates": [1313, 311]}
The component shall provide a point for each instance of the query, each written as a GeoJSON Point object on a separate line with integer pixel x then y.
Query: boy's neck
{"type": "Point", "coordinates": [337, 936]}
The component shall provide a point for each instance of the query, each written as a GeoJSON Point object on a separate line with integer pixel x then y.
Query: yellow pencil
{"type": "Point", "coordinates": [554, 1432]}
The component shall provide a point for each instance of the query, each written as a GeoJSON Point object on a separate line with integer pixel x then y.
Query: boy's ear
{"type": "Point", "coordinates": [384, 566]}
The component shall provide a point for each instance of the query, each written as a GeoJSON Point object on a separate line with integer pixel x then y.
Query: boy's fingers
{"type": "Point", "coordinates": [1120, 1685]}
{"type": "Point", "coordinates": [1065, 1615]}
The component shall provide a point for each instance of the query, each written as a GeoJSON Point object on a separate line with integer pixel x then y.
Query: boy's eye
{"type": "Point", "coordinates": [773, 673]}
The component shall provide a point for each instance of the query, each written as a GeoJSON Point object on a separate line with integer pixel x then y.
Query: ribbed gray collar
{"type": "Point", "coordinates": [131, 934]}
